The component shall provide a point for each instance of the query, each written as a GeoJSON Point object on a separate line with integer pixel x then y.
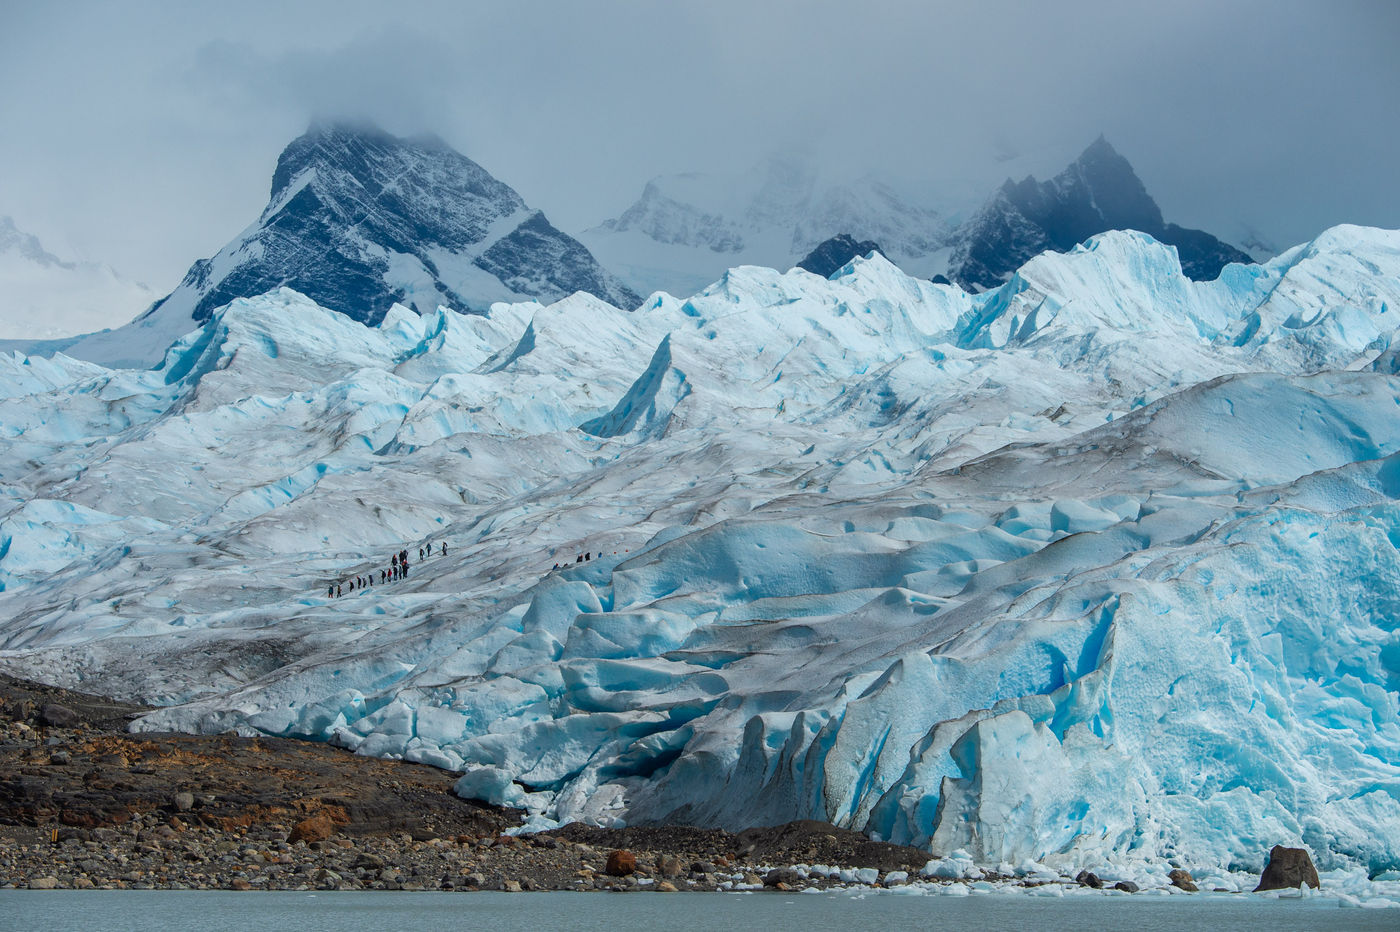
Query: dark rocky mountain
{"type": "Point", "coordinates": [1098, 192]}
{"type": "Point", "coordinates": [359, 219]}
{"type": "Point", "coordinates": [834, 253]}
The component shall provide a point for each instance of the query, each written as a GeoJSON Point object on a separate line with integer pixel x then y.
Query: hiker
{"type": "Point", "coordinates": [588, 555]}
{"type": "Point", "coordinates": [331, 594]}
{"type": "Point", "coordinates": [420, 554]}
{"type": "Point", "coordinates": [444, 549]}
{"type": "Point", "coordinates": [339, 591]}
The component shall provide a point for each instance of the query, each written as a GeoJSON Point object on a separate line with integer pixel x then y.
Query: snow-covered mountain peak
{"type": "Point", "coordinates": [685, 229]}
{"type": "Point", "coordinates": [361, 220]}
{"type": "Point", "coordinates": [26, 245]}
{"type": "Point", "coordinates": [46, 297]}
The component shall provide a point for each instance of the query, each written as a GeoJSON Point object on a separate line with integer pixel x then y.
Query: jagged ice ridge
{"type": "Point", "coordinates": [1099, 567]}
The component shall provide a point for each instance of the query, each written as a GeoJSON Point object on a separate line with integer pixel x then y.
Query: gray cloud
{"type": "Point", "coordinates": [144, 134]}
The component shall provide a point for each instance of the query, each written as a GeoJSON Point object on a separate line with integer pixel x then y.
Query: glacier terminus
{"type": "Point", "coordinates": [1098, 567]}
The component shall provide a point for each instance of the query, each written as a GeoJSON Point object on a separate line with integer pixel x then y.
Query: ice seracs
{"type": "Point", "coordinates": [1098, 567]}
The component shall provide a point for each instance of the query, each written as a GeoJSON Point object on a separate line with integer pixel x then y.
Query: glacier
{"type": "Point", "coordinates": [1097, 568]}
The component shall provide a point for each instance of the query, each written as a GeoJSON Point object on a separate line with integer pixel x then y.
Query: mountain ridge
{"type": "Point", "coordinates": [684, 229]}
{"type": "Point", "coordinates": [362, 220]}
{"type": "Point", "coordinates": [1098, 192]}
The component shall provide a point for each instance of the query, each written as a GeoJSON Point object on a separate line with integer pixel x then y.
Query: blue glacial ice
{"type": "Point", "coordinates": [1096, 569]}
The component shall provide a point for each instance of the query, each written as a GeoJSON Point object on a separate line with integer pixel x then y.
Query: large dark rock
{"type": "Point", "coordinates": [1098, 192]}
{"type": "Point", "coordinates": [56, 715]}
{"type": "Point", "coordinates": [1287, 868]}
{"type": "Point", "coordinates": [359, 220]}
{"type": "Point", "coordinates": [834, 253]}
{"type": "Point", "coordinates": [1087, 878]}
{"type": "Point", "coordinates": [1182, 880]}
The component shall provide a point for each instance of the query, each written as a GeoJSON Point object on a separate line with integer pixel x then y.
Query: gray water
{"type": "Point", "coordinates": [214, 911]}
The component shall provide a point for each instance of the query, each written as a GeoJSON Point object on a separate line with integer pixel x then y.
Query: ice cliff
{"type": "Point", "coordinates": [1098, 566]}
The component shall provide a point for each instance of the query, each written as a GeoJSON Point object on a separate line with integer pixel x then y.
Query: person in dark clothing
{"type": "Point", "coordinates": [331, 594]}
{"type": "Point", "coordinates": [588, 556]}
{"type": "Point", "coordinates": [339, 591]}
{"type": "Point", "coordinates": [420, 554]}
{"type": "Point", "coordinates": [444, 550]}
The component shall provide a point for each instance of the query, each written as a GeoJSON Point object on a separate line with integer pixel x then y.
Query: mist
{"type": "Point", "coordinates": [145, 134]}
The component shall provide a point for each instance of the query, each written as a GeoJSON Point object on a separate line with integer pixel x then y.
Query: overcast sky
{"type": "Point", "coordinates": [144, 134]}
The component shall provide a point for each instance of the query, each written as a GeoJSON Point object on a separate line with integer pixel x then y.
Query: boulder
{"type": "Point", "coordinates": [781, 875]}
{"type": "Point", "coordinates": [317, 828]}
{"type": "Point", "coordinates": [1183, 880]}
{"type": "Point", "coordinates": [184, 801]}
{"type": "Point", "coordinates": [620, 863]}
{"type": "Point", "coordinates": [1127, 886]}
{"type": "Point", "coordinates": [1288, 867]}
{"type": "Point", "coordinates": [58, 716]}
{"type": "Point", "coordinates": [1088, 879]}
{"type": "Point", "coordinates": [368, 861]}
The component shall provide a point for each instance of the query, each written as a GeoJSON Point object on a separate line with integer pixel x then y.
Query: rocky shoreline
{"type": "Point", "coordinates": [86, 805]}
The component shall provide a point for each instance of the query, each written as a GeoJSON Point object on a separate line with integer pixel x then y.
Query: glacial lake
{"type": "Point", "coordinates": [214, 911]}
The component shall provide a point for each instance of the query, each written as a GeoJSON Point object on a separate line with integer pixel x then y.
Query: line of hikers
{"type": "Point", "coordinates": [397, 569]}
{"type": "Point", "coordinates": [581, 558]}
